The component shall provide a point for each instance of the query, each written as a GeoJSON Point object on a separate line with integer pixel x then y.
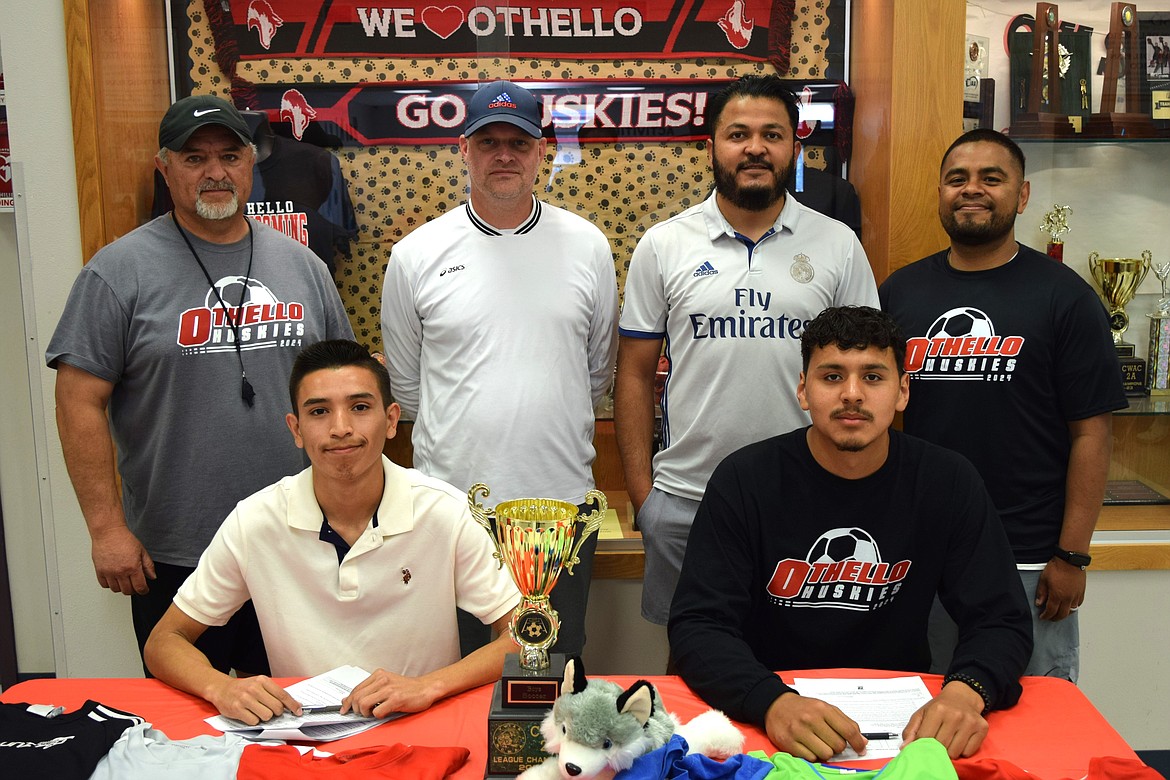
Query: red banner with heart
{"type": "Point", "coordinates": [601, 29]}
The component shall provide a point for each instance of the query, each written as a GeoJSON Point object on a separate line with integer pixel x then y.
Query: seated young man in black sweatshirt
{"type": "Point", "coordinates": [824, 547]}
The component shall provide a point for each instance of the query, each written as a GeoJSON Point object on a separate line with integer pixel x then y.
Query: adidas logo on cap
{"type": "Point", "coordinates": [503, 100]}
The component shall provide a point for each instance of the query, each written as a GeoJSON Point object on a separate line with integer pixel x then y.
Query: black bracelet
{"type": "Point", "coordinates": [974, 685]}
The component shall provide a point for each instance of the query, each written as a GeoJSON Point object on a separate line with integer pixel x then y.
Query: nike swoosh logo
{"type": "Point", "coordinates": [205, 111]}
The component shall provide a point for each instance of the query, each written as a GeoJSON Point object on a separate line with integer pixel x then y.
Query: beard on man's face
{"type": "Point", "coordinates": [970, 233]}
{"type": "Point", "coordinates": [754, 197]}
{"type": "Point", "coordinates": [217, 211]}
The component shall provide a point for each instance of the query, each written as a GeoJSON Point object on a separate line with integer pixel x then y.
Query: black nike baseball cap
{"type": "Point", "coordinates": [503, 101]}
{"type": "Point", "coordinates": [191, 113]}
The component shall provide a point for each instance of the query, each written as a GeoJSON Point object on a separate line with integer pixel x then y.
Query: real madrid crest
{"type": "Point", "coordinates": [801, 270]}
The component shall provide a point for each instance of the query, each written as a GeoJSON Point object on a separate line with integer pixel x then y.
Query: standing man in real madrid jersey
{"type": "Point", "coordinates": [498, 326]}
{"type": "Point", "coordinates": [185, 331]}
{"type": "Point", "coordinates": [729, 285]}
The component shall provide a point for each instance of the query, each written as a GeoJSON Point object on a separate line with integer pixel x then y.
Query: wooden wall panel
{"type": "Point", "coordinates": [119, 83]}
{"type": "Point", "coordinates": [907, 74]}
{"type": "Point", "coordinates": [79, 50]}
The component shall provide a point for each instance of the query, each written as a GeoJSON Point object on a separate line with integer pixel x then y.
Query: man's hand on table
{"type": "Point", "coordinates": [384, 693]}
{"type": "Point", "coordinates": [953, 718]}
{"type": "Point", "coordinates": [251, 700]}
{"type": "Point", "coordinates": [810, 728]}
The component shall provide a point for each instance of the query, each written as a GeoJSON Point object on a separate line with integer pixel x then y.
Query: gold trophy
{"type": "Point", "coordinates": [1055, 224]}
{"type": "Point", "coordinates": [535, 538]}
{"type": "Point", "coordinates": [1119, 279]}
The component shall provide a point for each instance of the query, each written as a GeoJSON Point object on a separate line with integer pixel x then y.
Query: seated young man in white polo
{"type": "Point", "coordinates": [355, 560]}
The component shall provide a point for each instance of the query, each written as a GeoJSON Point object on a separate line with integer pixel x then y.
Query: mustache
{"type": "Point", "coordinates": [216, 186]}
{"type": "Point", "coordinates": [855, 411]}
{"type": "Point", "coordinates": [755, 160]}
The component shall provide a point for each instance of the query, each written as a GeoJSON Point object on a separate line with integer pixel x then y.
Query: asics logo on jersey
{"type": "Point", "coordinates": [450, 270]}
{"type": "Point", "coordinates": [706, 269]}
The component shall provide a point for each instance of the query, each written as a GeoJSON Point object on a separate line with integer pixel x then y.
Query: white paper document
{"type": "Point", "coordinates": [324, 690]}
{"type": "Point", "coordinates": [880, 706]}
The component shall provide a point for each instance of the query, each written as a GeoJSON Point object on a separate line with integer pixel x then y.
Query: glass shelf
{"type": "Point", "coordinates": [1146, 405]}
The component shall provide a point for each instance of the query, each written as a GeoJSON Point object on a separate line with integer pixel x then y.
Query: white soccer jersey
{"type": "Point", "coordinates": [732, 314]}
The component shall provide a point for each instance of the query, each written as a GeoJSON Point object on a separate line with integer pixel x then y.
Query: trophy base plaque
{"type": "Point", "coordinates": [1133, 369]}
{"type": "Point", "coordinates": [1158, 372]}
{"type": "Point", "coordinates": [1133, 375]}
{"type": "Point", "coordinates": [514, 739]}
{"type": "Point", "coordinates": [1042, 125]}
{"type": "Point", "coordinates": [524, 688]}
{"type": "Point", "coordinates": [1120, 125]}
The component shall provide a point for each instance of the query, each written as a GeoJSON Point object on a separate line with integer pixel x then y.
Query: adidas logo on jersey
{"type": "Point", "coordinates": [706, 269]}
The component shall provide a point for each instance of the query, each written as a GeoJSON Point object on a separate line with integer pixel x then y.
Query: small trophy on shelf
{"type": "Point", "coordinates": [1158, 371]}
{"type": "Point", "coordinates": [1055, 224]}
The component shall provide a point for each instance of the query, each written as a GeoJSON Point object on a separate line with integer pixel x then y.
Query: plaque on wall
{"type": "Point", "coordinates": [1155, 69]}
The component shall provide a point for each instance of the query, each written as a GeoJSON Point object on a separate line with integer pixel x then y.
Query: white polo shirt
{"type": "Point", "coordinates": [732, 315]}
{"type": "Point", "coordinates": [390, 604]}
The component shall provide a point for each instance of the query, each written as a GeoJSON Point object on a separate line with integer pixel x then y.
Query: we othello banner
{"type": "Point", "coordinates": [604, 29]}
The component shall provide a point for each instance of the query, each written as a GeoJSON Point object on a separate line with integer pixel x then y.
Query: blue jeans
{"type": "Point", "coordinates": [1056, 650]}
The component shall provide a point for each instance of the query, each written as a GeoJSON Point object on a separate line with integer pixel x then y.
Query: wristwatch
{"type": "Point", "coordinates": [1080, 560]}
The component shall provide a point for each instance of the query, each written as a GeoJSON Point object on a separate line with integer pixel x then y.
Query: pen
{"type": "Point", "coordinates": [306, 710]}
{"type": "Point", "coordinates": [879, 735]}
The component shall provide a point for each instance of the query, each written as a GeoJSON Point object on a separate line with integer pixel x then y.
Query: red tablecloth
{"type": "Point", "coordinates": [1053, 732]}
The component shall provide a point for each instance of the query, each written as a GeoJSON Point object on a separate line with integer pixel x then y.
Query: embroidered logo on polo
{"type": "Point", "coordinates": [801, 269]}
{"type": "Point", "coordinates": [843, 570]}
{"type": "Point", "coordinates": [263, 320]}
{"type": "Point", "coordinates": [962, 345]}
{"type": "Point", "coordinates": [706, 269]}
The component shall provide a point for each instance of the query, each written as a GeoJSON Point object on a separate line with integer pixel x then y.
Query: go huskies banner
{"type": "Point", "coordinates": [603, 29]}
{"type": "Point", "coordinates": [573, 111]}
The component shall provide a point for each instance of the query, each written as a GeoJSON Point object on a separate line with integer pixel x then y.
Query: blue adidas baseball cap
{"type": "Point", "coordinates": [503, 101]}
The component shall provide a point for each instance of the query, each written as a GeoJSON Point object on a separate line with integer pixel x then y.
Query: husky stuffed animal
{"type": "Point", "coordinates": [595, 729]}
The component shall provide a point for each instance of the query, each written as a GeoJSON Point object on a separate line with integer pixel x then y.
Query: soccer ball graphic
{"type": "Point", "coordinates": [963, 321]}
{"type": "Point", "coordinates": [230, 287]}
{"type": "Point", "coordinates": [844, 544]}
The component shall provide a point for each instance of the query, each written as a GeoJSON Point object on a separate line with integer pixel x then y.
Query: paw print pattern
{"type": "Point", "coordinates": [623, 188]}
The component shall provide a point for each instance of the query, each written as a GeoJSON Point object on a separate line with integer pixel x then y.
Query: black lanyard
{"type": "Point", "coordinates": [246, 391]}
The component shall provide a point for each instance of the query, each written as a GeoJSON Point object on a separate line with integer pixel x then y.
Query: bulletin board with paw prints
{"type": "Point", "coordinates": [622, 187]}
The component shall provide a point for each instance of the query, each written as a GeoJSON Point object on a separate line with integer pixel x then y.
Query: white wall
{"type": "Point", "coordinates": [65, 623]}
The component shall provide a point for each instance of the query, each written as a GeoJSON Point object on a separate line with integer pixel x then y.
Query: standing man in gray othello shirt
{"type": "Point", "coordinates": [184, 331]}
